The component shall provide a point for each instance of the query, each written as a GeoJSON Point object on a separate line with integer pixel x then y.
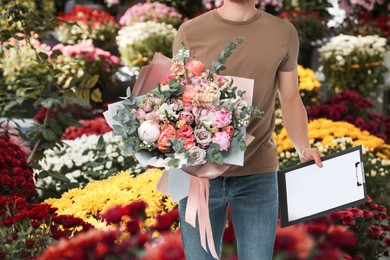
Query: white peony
{"type": "Point", "coordinates": [149, 131]}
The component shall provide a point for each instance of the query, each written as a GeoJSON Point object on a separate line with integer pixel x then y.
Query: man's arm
{"type": "Point", "coordinates": [295, 117]}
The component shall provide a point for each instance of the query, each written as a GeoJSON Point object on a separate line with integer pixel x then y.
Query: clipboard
{"type": "Point", "coordinates": [307, 191]}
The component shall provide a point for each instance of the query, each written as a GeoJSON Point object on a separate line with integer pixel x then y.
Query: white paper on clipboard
{"type": "Point", "coordinates": [307, 191]}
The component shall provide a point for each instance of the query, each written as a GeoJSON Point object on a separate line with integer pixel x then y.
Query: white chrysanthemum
{"type": "Point", "coordinates": [141, 40]}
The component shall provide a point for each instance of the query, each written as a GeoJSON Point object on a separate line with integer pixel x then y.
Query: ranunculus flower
{"type": "Point", "coordinates": [195, 67]}
{"type": "Point", "coordinates": [187, 107]}
{"type": "Point", "coordinates": [202, 136]}
{"type": "Point", "coordinates": [140, 114]}
{"type": "Point", "coordinates": [199, 154]}
{"type": "Point", "coordinates": [223, 139]}
{"type": "Point", "coordinates": [223, 117]}
{"type": "Point", "coordinates": [229, 130]}
{"type": "Point", "coordinates": [189, 94]}
{"type": "Point", "coordinates": [185, 132]}
{"type": "Point", "coordinates": [147, 106]}
{"type": "Point", "coordinates": [188, 145]}
{"type": "Point", "coordinates": [149, 131]}
{"type": "Point", "coordinates": [187, 116]}
{"type": "Point", "coordinates": [168, 132]}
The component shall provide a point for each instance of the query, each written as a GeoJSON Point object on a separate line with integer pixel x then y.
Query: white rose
{"type": "Point", "coordinates": [149, 131]}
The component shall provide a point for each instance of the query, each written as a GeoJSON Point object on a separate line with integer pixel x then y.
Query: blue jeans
{"type": "Point", "coordinates": [253, 204]}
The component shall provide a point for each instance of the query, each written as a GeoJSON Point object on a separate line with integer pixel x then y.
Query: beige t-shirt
{"type": "Point", "coordinates": [270, 45]}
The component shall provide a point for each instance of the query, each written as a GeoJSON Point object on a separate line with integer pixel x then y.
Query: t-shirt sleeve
{"type": "Point", "coordinates": [290, 61]}
{"type": "Point", "coordinates": [179, 40]}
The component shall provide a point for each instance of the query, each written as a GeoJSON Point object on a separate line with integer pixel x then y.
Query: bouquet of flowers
{"type": "Point", "coordinates": [156, 12]}
{"type": "Point", "coordinates": [89, 24]}
{"type": "Point", "coordinates": [354, 61]}
{"type": "Point", "coordinates": [193, 116]}
{"type": "Point", "coordinates": [138, 42]}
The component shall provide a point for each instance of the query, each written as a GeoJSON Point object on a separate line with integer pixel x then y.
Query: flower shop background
{"type": "Point", "coordinates": [67, 190]}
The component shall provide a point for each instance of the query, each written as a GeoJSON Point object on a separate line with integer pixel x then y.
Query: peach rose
{"type": "Point", "coordinates": [189, 94]}
{"type": "Point", "coordinates": [195, 67]}
{"type": "Point", "coordinates": [168, 132]}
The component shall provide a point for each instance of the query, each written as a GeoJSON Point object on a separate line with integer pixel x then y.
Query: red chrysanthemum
{"type": "Point", "coordinates": [16, 177]}
{"type": "Point", "coordinates": [167, 247]}
{"type": "Point", "coordinates": [341, 237]}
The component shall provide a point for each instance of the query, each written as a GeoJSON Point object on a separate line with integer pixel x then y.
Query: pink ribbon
{"type": "Point", "coordinates": [197, 203]}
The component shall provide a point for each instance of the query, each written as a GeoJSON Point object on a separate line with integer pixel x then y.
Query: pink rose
{"type": "Point", "coordinates": [223, 139]}
{"type": "Point", "coordinates": [189, 94]}
{"type": "Point", "coordinates": [195, 67]}
{"type": "Point", "coordinates": [223, 117]}
{"type": "Point", "coordinates": [187, 116]}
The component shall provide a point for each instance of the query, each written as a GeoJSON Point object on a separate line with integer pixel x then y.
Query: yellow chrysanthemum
{"type": "Point", "coordinates": [307, 80]}
{"type": "Point", "coordinates": [121, 189]}
{"type": "Point", "coordinates": [324, 131]}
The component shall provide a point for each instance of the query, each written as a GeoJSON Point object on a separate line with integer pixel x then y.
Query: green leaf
{"type": "Point", "coordinates": [89, 81]}
{"type": "Point", "coordinates": [43, 55]}
{"type": "Point", "coordinates": [55, 127]}
{"type": "Point", "coordinates": [47, 103]}
{"type": "Point", "coordinates": [48, 134]}
{"type": "Point", "coordinates": [59, 177]}
{"type": "Point", "coordinates": [43, 174]}
{"type": "Point", "coordinates": [54, 54]}
{"type": "Point", "coordinates": [68, 186]}
{"type": "Point", "coordinates": [100, 142]}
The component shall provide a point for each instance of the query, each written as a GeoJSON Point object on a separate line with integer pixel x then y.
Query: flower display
{"type": "Point", "coordinates": [79, 60]}
{"type": "Point", "coordinates": [156, 12]}
{"type": "Point", "coordinates": [354, 62]}
{"type": "Point", "coordinates": [82, 160]}
{"type": "Point", "coordinates": [44, 9]}
{"type": "Point", "coordinates": [139, 41]}
{"type": "Point", "coordinates": [351, 107]}
{"type": "Point", "coordinates": [311, 27]}
{"type": "Point", "coordinates": [17, 61]}
{"type": "Point", "coordinates": [90, 202]}
{"type": "Point", "coordinates": [27, 229]}
{"type": "Point", "coordinates": [192, 112]}
{"type": "Point", "coordinates": [325, 131]}
{"type": "Point", "coordinates": [89, 24]}
{"type": "Point", "coordinates": [16, 176]}
{"type": "Point", "coordinates": [97, 126]}
{"type": "Point", "coordinates": [355, 6]}
{"type": "Point", "coordinates": [127, 241]}
{"type": "Point", "coordinates": [365, 23]}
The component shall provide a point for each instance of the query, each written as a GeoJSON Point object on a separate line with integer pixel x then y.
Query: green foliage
{"type": "Point", "coordinates": [225, 53]}
{"type": "Point", "coordinates": [36, 81]}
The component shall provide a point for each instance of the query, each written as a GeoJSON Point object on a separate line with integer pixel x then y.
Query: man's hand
{"type": "Point", "coordinates": [309, 154]}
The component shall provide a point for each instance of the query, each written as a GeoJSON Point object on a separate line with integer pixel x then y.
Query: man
{"type": "Point", "coordinates": [268, 55]}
